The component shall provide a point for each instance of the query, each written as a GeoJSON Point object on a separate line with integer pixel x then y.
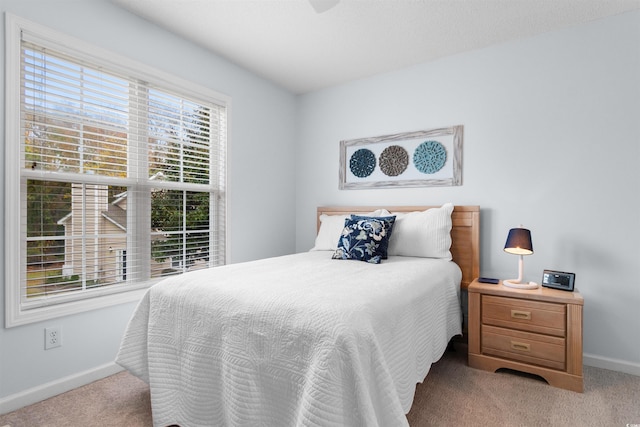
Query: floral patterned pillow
{"type": "Point", "coordinates": [384, 243]}
{"type": "Point", "coordinates": [363, 238]}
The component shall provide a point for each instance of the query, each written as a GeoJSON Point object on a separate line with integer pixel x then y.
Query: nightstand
{"type": "Point", "coordinates": [538, 331]}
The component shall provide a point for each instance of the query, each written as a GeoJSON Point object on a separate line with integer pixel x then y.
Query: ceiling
{"type": "Point", "coordinates": [288, 42]}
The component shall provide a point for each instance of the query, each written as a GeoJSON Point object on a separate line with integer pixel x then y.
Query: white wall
{"type": "Point", "coordinates": [551, 140]}
{"type": "Point", "coordinates": [262, 131]}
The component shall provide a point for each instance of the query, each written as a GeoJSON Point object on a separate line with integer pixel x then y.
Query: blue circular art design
{"type": "Point", "coordinates": [362, 163]}
{"type": "Point", "coordinates": [429, 157]}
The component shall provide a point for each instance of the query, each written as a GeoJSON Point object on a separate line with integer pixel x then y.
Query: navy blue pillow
{"type": "Point", "coordinates": [362, 238]}
{"type": "Point", "coordinates": [384, 243]}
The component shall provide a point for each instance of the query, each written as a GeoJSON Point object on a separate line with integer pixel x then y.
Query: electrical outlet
{"type": "Point", "coordinates": [52, 337]}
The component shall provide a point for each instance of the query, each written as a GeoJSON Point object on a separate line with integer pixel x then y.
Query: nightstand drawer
{"type": "Point", "coordinates": [536, 349]}
{"type": "Point", "coordinates": [532, 316]}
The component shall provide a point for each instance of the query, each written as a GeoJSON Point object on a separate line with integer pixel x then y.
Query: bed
{"type": "Point", "coordinates": [304, 339]}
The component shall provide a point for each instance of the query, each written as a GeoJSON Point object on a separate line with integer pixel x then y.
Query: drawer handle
{"type": "Point", "coordinates": [519, 314]}
{"type": "Point", "coordinates": [520, 346]}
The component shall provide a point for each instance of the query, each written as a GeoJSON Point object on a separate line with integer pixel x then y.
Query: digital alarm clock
{"type": "Point", "coordinates": [558, 280]}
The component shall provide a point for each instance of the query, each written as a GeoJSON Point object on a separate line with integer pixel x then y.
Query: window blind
{"type": "Point", "coordinates": [122, 178]}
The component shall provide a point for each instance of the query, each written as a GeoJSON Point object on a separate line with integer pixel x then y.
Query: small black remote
{"type": "Point", "coordinates": [488, 280]}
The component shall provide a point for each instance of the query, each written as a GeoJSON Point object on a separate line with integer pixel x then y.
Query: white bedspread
{"type": "Point", "coordinates": [298, 340]}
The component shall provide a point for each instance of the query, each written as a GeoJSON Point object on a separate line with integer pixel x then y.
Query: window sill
{"type": "Point", "coordinates": [16, 316]}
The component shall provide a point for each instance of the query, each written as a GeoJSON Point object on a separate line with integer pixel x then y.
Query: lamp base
{"type": "Point", "coordinates": [518, 285]}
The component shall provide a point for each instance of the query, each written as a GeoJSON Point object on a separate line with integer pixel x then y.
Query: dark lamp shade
{"type": "Point", "coordinates": [519, 242]}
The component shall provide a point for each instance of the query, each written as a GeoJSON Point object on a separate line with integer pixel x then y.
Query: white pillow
{"type": "Point", "coordinates": [331, 227]}
{"type": "Point", "coordinates": [425, 234]}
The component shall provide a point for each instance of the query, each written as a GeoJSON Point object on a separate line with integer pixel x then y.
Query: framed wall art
{"type": "Point", "coordinates": [424, 158]}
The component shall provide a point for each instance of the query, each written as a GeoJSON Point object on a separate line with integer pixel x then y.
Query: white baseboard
{"type": "Point", "coordinates": [53, 388]}
{"type": "Point", "coordinates": [611, 364]}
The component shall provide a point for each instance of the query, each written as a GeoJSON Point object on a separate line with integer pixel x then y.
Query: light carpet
{"type": "Point", "coordinates": [452, 394]}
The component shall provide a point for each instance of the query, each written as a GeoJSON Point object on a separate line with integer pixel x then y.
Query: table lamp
{"type": "Point", "coordinates": [519, 243]}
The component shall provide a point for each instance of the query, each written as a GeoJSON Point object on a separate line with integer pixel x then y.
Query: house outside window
{"type": "Point", "coordinates": [115, 176]}
{"type": "Point", "coordinates": [121, 265]}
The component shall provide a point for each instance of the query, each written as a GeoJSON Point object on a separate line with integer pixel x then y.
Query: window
{"type": "Point", "coordinates": [115, 176]}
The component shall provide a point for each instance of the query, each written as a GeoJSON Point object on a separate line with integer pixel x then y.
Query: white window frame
{"type": "Point", "coordinates": [15, 314]}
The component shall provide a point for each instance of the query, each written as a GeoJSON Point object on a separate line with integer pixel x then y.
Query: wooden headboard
{"type": "Point", "coordinates": [465, 234]}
